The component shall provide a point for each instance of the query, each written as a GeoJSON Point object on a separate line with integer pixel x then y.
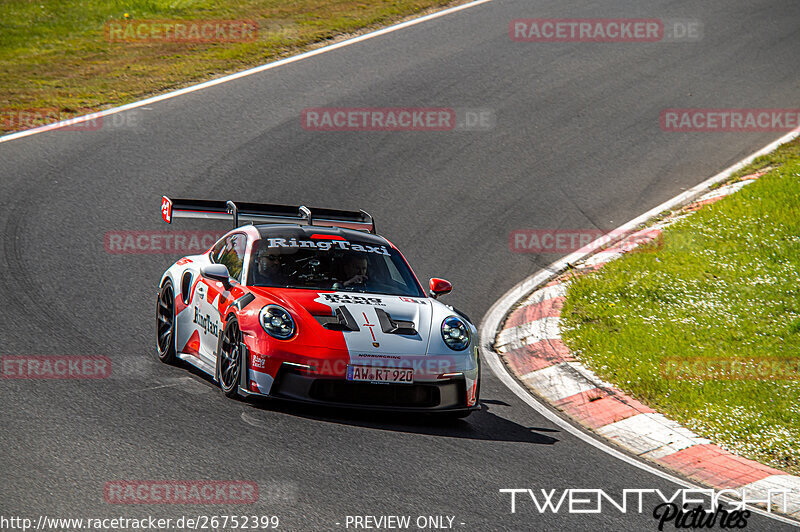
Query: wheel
{"type": "Point", "coordinates": [230, 358]}
{"type": "Point", "coordinates": [165, 323]}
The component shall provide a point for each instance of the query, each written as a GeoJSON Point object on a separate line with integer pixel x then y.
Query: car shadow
{"type": "Point", "coordinates": [480, 425]}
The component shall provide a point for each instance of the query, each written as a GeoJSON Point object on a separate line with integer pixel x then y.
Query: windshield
{"type": "Point", "coordinates": [338, 264]}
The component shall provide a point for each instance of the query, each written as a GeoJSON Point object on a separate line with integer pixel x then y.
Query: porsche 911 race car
{"type": "Point", "coordinates": [313, 306]}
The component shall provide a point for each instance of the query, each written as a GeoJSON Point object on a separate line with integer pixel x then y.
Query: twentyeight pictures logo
{"type": "Point", "coordinates": [679, 509]}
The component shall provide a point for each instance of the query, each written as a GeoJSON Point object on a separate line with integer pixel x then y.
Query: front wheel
{"type": "Point", "coordinates": [230, 358]}
{"type": "Point", "coordinates": [165, 323]}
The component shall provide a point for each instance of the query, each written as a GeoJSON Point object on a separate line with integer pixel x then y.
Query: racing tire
{"type": "Point", "coordinates": [230, 357]}
{"type": "Point", "coordinates": [165, 323]}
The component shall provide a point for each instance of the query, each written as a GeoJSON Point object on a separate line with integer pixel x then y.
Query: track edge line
{"type": "Point", "coordinates": [492, 320]}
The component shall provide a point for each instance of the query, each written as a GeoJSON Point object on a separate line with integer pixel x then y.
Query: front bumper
{"type": "Point", "coordinates": [435, 396]}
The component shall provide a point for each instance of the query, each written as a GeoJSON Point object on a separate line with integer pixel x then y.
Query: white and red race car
{"type": "Point", "coordinates": [312, 305]}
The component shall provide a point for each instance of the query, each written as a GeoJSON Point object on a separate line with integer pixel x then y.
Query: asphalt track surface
{"type": "Point", "coordinates": [577, 144]}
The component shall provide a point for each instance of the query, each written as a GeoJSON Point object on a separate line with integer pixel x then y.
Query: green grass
{"type": "Point", "coordinates": [723, 283]}
{"type": "Point", "coordinates": [55, 55]}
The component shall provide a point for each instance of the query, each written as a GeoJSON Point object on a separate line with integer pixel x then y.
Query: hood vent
{"type": "Point", "coordinates": [390, 326]}
{"type": "Point", "coordinates": [341, 320]}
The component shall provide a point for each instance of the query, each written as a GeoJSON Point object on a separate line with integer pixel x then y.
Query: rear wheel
{"type": "Point", "coordinates": [230, 358]}
{"type": "Point", "coordinates": [165, 323]}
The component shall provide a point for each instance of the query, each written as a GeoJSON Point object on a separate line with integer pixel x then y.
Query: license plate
{"type": "Point", "coordinates": [394, 375]}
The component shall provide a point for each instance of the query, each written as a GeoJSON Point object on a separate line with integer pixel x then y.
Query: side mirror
{"type": "Point", "coordinates": [217, 272]}
{"type": "Point", "coordinates": [439, 287]}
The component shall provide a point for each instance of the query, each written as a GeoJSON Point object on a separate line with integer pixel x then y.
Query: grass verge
{"type": "Point", "coordinates": [704, 324]}
{"type": "Point", "coordinates": [57, 59]}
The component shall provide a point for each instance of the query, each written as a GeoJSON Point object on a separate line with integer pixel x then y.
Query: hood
{"type": "Point", "coordinates": [368, 323]}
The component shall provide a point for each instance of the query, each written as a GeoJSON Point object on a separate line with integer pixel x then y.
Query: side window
{"type": "Point", "coordinates": [219, 247]}
{"type": "Point", "coordinates": [230, 252]}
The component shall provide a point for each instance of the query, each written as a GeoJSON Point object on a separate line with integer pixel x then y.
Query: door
{"type": "Point", "coordinates": [210, 296]}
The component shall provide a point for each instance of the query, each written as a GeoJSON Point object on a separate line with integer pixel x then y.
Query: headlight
{"type": "Point", "coordinates": [455, 333]}
{"type": "Point", "coordinates": [277, 322]}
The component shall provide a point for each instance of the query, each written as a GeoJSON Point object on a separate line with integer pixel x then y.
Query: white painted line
{"type": "Point", "coordinates": [237, 75]}
{"type": "Point", "coordinates": [182, 382]}
{"type": "Point", "coordinates": [602, 258]}
{"type": "Point", "coordinates": [557, 382]}
{"type": "Point", "coordinates": [529, 333]}
{"type": "Point", "coordinates": [651, 435]}
{"type": "Point", "coordinates": [522, 289]}
{"type": "Point", "coordinates": [726, 190]}
{"type": "Point", "coordinates": [620, 248]}
{"type": "Point", "coordinates": [760, 489]}
{"type": "Point", "coordinates": [491, 358]}
{"type": "Point", "coordinates": [494, 317]}
{"type": "Point", "coordinates": [254, 421]}
{"type": "Point", "coordinates": [548, 292]}
{"type": "Point", "coordinates": [582, 371]}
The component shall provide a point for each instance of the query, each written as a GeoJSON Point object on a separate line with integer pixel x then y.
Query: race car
{"type": "Point", "coordinates": [311, 305]}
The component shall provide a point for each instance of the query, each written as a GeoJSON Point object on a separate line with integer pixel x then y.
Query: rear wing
{"type": "Point", "coordinates": [241, 213]}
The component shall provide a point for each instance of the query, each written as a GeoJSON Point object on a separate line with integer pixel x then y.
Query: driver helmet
{"type": "Point", "coordinates": [268, 261]}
